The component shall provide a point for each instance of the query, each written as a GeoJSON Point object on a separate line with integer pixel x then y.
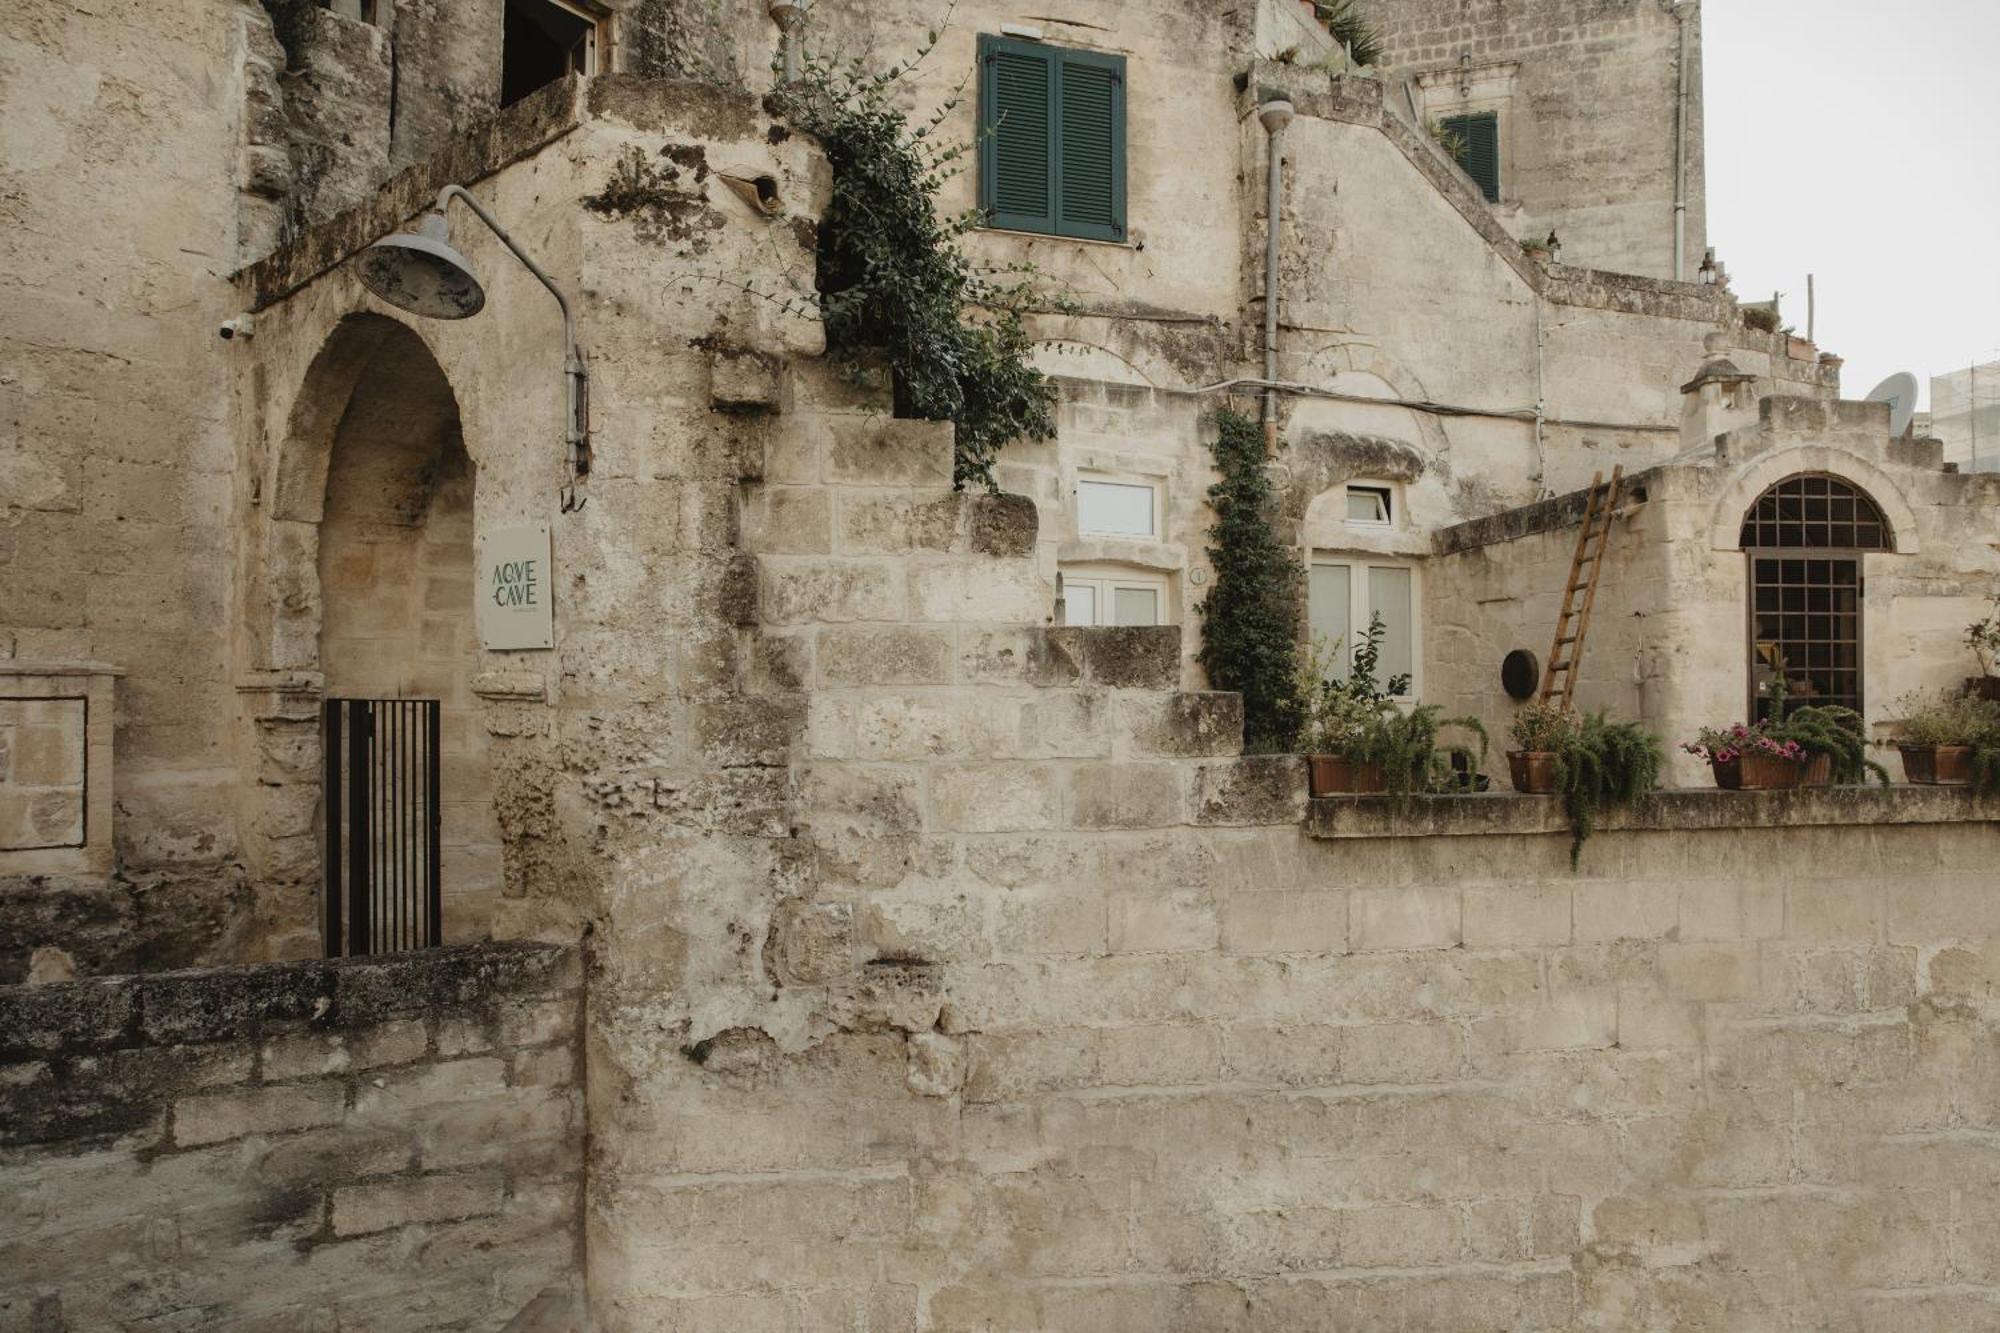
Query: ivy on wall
{"type": "Point", "coordinates": [1250, 618]}
{"type": "Point", "coordinates": [892, 279]}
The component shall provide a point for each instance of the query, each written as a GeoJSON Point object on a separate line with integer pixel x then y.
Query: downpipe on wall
{"type": "Point", "coordinates": [789, 15]}
{"type": "Point", "coordinates": [1680, 13]}
{"type": "Point", "coordinates": [1274, 115]}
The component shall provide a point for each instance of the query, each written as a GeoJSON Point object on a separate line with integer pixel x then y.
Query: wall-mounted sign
{"type": "Point", "coordinates": [514, 593]}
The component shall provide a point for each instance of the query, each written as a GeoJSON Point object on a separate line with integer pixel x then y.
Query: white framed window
{"type": "Point", "coordinates": [1371, 503]}
{"type": "Point", "coordinates": [1344, 591]}
{"type": "Point", "coordinates": [1096, 595]}
{"type": "Point", "coordinates": [1117, 508]}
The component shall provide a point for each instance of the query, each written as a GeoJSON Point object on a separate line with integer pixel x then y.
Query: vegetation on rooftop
{"type": "Point", "coordinates": [893, 281]}
{"type": "Point", "coordinates": [1344, 19]}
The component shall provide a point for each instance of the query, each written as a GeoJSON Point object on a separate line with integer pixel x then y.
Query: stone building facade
{"type": "Point", "coordinates": [903, 956]}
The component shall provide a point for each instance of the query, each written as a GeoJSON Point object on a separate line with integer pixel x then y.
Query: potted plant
{"type": "Point", "coordinates": [1983, 638]}
{"type": "Point", "coordinates": [1541, 732]}
{"type": "Point", "coordinates": [1358, 740]}
{"type": "Point", "coordinates": [1949, 740]}
{"type": "Point", "coordinates": [1604, 763]}
{"type": "Point", "coordinates": [1749, 756]}
{"type": "Point", "coordinates": [1835, 740]}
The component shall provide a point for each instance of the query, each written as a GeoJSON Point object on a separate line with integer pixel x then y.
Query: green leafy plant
{"type": "Point", "coordinates": [1936, 718]}
{"type": "Point", "coordinates": [1983, 638]}
{"type": "Point", "coordinates": [1343, 18]}
{"type": "Point", "coordinates": [1839, 733]}
{"type": "Point", "coordinates": [1358, 719]}
{"type": "Point", "coordinates": [1542, 727]}
{"type": "Point", "coordinates": [1450, 140]}
{"type": "Point", "coordinates": [892, 278]}
{"type": "Point", "coordinates": [1249, 627]}
{"type": "Point", "coordinates": [1604, 763]}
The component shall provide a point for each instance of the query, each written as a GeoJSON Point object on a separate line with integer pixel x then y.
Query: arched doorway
{"type": "Point", "coordinates": [1804, 540]}
{"type": "Point", "coordinates": [408, 833]}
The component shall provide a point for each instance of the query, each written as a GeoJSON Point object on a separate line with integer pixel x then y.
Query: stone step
{"type": "Point", "coordinates": [804, 590]}
{"type": "Point", "coordinates": [883, 724]}
{"type": "Point", "coordinates": [860, 449]}
{"type": "Point", "coordinates": [835, 520]}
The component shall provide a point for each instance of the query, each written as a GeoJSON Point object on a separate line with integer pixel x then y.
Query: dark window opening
{"type": "Point", "coordinates": [543, 41]}
{"type": "Point", "coordinates": [1805, 537]}
{"type": "Point", "coordinates": [1475, 144]}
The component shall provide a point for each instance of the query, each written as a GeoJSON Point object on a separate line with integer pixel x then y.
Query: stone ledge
{"type": "Point", "coordinates": [238, 1002]}
{"type": "Point", "coordinates": [1508, 814]}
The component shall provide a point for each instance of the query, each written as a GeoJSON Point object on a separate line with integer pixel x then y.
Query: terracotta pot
{"type": "Point", "coordinates": [1333, 775]}
{"type": "Point", "coordinates": [1938, 765]}
{"type": "Point", "coordinates": [1758, 772]}
{"type": "Point", "coordinates": [1533, 771]}
{"type": "Point", "coordinates": [1819, 771]}
{"type": "Point", "coordinates": [1983, 687]}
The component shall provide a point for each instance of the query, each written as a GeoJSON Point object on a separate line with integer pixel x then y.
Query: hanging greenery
{"type": "Point", "coordinates": [1250, 618]}
{"type": "Point", "coordinates": [1604, 763]}
{"type": "Point", "coordinates": [893, 281]}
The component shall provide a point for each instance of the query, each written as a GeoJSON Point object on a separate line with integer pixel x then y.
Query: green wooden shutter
{"type": "Point", "coordinates": [1090, 163]}
{"type": "Point", "coordinates": [1017, 101]}
{"type": "Point", "coordinates": [1478, 148]}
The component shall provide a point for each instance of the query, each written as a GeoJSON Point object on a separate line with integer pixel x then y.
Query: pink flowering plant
{"type": "Point", "coordinates": [1719, 745]}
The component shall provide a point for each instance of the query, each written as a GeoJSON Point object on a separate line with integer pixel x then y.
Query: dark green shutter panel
{"type": "Point", "coordinates": [1017, 166]}
{"type": "Point", "coordinates": [1090, 167]}
{"type": "Point", "coordinates": [1478, 149]}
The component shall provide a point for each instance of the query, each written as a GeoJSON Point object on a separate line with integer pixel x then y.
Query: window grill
{"type": "Point", "coordinates": [1805, 537]}
{"type": "Point", "coordinates": [383, 821]}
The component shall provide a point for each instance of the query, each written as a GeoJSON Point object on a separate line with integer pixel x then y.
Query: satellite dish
{"type": "Point", "coordinates": [1899, 391]}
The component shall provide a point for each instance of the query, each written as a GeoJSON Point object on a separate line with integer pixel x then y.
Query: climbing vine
{"type": "Point", "coordinates": [892, 279]}
{"type": "Point", "coordinates": [1250, 619]}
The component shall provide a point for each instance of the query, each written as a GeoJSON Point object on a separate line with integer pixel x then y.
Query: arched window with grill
{"type": "Point", "coordinates": [1804, 538]}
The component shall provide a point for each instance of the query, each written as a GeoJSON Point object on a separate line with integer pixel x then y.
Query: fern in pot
{"type": "Point", "coordinates": [1542, 731]}
{"type": "Point", "coordinates": [1604, 764]}
{"type": "Point", "coordinates": [1359, 740]}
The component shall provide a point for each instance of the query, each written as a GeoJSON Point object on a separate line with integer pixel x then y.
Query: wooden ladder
{"type": "Point", "coordinates": [1584, 567]}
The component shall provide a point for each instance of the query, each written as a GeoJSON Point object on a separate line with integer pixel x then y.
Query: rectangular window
{"type": "Point", "coordinates": [542, 41]}
{"type": "Point", "coordinates": [1102, 596]}
{"type": "Point", "coordinates": [1117, 509]}
{"type": "Point", "coordinates": [1368, 504]}
{"type": "Point", "coordinates": [1806, 622]}
{"type": "Point", "coordinates": [1052, 139]}
{"type": "Point", "coordinates": [1475, 142]}
{"type": "Point", "coordinates": [1341, 596]}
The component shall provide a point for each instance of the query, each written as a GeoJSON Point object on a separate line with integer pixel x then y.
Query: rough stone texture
{"type": "Point", "coordinates": [292, 1145]}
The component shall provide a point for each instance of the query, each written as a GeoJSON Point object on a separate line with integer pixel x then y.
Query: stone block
{"type": "Point", "coordinates": [1285, 922]}
{"type": "Point", "coordinates": [217, 1117]}
{"type": "Point", "coordinates": [885, 451]}
{"type": "Point", "coordinates": [1002, 525]}
{"type": "Point", "coordinates": [1129, 658]}
{"type": "Point", "coordinates": [1026, 655]}
{"type": "Point", "coordinates": [791, 520]}
{"type": "Point", "coordinates": [1125, 796]}
{"type": "Point", "coordinates": [1572, 1020]}
{"type": "Point", "coordinates": [1154, 922]}
{"type": "Point", "coordinates": [397, 1095]}
{"type": "Point", "coordinates": [898, 522]}
{"type": "Point", "coordinates": [359, 1210]}
{"type": "Point", "coordinates": [1255, 789]}
{"type": "Point", "coordinates": [1524, 916]}
{"type": "Point", "coordinates": [799, 590]}
{"type": "Point", "coordinates": [1412, 918]}
{"type": "Point", "coordinates": [1709, 971]}
{"type": "Point", "coordinates": [1624, 909]}
{"type": "Point", "coordinates": [977, 588]}
{"type": "Point", "coordinates": [889, 655]}
{"type": "Point", "coordinates": [1052, 921]}
{"type": "Point", "coordinates": [1204, 724]}
{"type": "Point", "coordinates": [995, 798]}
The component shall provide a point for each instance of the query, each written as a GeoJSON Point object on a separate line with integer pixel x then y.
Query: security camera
{"type": "Point", "coordinates": [239, 327]}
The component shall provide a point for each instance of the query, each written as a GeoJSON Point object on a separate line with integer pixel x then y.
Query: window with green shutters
{"type": "Point", "coordinates": [1052, 145]}
{"type": "Point", "coordinates": [1475, 142]}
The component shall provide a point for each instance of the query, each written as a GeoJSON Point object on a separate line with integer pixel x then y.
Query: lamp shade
{"type": "Point", "coordinates": [420, 272]}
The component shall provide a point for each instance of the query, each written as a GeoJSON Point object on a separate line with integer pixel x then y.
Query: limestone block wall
{"type": "Point", "coordinates": [1586, 94]}
{"type": "Point", "coordinates": [384, 1144]}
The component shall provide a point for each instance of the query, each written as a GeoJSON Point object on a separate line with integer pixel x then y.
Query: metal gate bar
{"type": "Point", "coordinates": [383, 819]}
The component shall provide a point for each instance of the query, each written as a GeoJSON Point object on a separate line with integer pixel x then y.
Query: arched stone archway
{"type": "Point", "coordinates": [366, 593]}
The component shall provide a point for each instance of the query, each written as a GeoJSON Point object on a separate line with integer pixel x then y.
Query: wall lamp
{"type": "Point", "coordinates": [419, 271]}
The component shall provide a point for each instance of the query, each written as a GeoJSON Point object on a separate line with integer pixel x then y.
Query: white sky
{"type": "Point", "coordinates": [1859, 141]}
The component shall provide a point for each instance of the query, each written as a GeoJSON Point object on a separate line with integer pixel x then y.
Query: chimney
{"type": "Point", "coordinates": [1718, 399]}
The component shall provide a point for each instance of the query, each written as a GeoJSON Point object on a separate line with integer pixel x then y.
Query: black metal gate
{"type": "Point", "coordinates": [382, 823]}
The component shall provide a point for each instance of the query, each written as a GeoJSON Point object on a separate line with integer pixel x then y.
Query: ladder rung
{"type": "Point", "coordinates": [1558, 666]}
{"type": "Point", "coordinates": [1571, 639]}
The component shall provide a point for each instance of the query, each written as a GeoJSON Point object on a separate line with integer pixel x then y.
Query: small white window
{"type": "Point", "coordinates": [1370, 503]}
{"type": "Point", "coordinates": [1343, 594]}
{"type": "Point", "coordinates": [1117, 509]}
{"type": "Point", "coordinates": [1099, 596]}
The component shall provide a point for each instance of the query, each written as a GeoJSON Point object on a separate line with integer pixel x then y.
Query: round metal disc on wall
{"type": "Point", "coordinates": [1520, 674]}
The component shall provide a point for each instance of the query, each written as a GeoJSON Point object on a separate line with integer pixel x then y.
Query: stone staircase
{"type": "Point", "coordinates": [941, 709]}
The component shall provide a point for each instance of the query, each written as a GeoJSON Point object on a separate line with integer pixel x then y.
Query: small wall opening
{"type": "Point", "coordinates": [542, 41]}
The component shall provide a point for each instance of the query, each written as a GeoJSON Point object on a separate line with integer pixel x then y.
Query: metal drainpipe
{"type": "Point", "coordinates": [788, 14]}
{"type": "Point", "coordinates": [1274, 115]}
{"type": "Point", "coordinates": [1680, 149]}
